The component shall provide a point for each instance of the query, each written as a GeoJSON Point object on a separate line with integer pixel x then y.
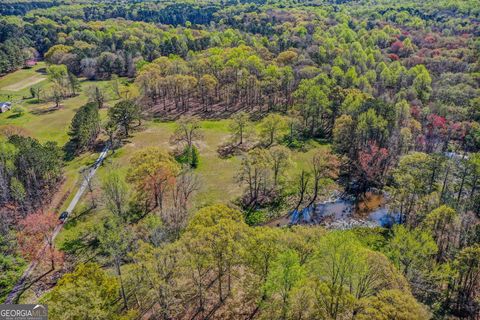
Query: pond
{"type": "Point", "coordinates": [341, 213]}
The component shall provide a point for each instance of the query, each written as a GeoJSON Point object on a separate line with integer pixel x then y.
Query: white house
{"type": "Point", "coordinates": [5, 106]}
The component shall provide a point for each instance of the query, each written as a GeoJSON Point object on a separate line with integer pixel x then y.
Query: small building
{"type": "Point", "coordinates": [30, 63]}
{"type": "Point", "coordinates": [5, 106]}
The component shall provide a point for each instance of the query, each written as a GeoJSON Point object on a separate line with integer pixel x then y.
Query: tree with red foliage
{"type": "Point", "coordinates": [416, 112]}
{"type": "Point", "coordinates": [372, 165]}
{"type": "Point", "coordinates": [456, 131]}
{"type": "Point", "coordinates": [430, 39]}
{"type": "Point", "coordinates": [396, 46]}
{"type": "Point", "coordinates": [152, 173]}
{"type": "Point", "coordinates": [393, 57]}
{"type": "Point", "coordinates": [435, 132]}
{"type": "Point", "coordinates": [35, 239]}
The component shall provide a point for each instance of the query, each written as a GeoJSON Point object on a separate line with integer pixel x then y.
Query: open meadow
{"type": "Point", "coordinates": [217, 176]}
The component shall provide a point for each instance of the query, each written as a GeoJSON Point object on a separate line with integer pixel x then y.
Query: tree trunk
{"type": "Point", "coordinates": [122, 288]}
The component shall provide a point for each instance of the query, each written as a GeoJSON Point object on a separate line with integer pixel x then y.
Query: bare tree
{"type": "Point", "coordinates": [240, 127]}
{"type": "Point", "coordinates": [302, 187]}
{"type": "Point", "coordinates": [187, 131]}
{"type": "Point", "coordinates": [324, 166]}
{"type": "Point", "coordinates": [176, 216]}
{"type": "Point", "coordinates": [116, 195]}
{"type": "Point", "coordinates": [90, 186]}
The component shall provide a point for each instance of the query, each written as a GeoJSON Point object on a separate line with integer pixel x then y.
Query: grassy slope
{"type": "Point", "coordinates": [20, 76]}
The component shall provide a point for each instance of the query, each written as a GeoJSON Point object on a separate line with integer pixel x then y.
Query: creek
{"type": "Point", "coordinates": [342, 213]}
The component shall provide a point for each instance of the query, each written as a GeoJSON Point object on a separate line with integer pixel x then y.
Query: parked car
{"type": "Point", "coordinates": [5, 106]}
{"type": "Point", "coordinates": [63, 216]}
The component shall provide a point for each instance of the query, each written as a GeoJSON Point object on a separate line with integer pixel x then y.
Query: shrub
{"type": "Point", "coordinates": [18, 111]}
{"type": "Point", "coordinates": [255, 218]}
{"type": "Point", "coordinates": [189, 156]}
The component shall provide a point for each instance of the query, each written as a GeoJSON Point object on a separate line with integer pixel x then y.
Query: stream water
{"type": "Point", "coordinates": [342, 213]}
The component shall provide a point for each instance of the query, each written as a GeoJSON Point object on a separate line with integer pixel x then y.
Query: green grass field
{"type": "Point", "coordinates": [18, 83]}
{"type": "Point", "coordinates": [217, 175]}
{"type": "Point", "coordinates": [43, 121]}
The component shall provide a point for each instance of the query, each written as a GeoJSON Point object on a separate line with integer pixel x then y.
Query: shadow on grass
{"type": "Point", "coordinates": [45, 111]}
{"type": "Point", "coordinates": [41, 71]}
{"type": "Point", "coordinates": [74, 246]}
{"type": "Point", "coordinates": [73, 221]}
{"type": "Point", "coordinates": [33, 101]}
{"type": "Point", "coordinates": [71, 151]}
{"type": "Point", "coordinates": [215, 112]}
{"type": "Point", "coordinates": [83, 241]}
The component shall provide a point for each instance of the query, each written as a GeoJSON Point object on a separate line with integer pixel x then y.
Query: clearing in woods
{"type": "Point", "coordinates": [25, 83]}
{"type": "Point", "coordinates": [23, 79]}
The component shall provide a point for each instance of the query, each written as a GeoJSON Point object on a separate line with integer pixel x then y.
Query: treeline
{"type": "Point", "coordinates": [373, 133]}
{"type": "Point", "coordinates": [243, 74]}
{"type": "Point", "coordinates": [172, 14]}
{"type": "Point", "coordinates": [164, 12]}
{"type": "Point", "coordinates": [88, 52]}
{"type": "Point", "coordinates": [19, 8]}
{"type": "Point", "coordinates": [15, 47]}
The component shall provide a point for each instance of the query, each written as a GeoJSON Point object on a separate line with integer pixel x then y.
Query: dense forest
{"type": "Point", "coordinates": [322, 99]}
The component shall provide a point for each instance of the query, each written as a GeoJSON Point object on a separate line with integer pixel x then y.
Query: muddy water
{"type": "Point", "coordinates": [370, 211]}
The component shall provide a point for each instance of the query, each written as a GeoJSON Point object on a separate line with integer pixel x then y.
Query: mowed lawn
{"type": "Point", "coordinates": [43, 121]}
{"type": "Point", "coordinates": [25, 83]}
{"type": "Point", "coordinates": [18, 83]}
{"type": "Point", "coordinates": [216, 175]}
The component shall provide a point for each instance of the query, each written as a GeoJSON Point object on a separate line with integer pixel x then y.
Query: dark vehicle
{"type": "Point", "coordinates": [63, 216]}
